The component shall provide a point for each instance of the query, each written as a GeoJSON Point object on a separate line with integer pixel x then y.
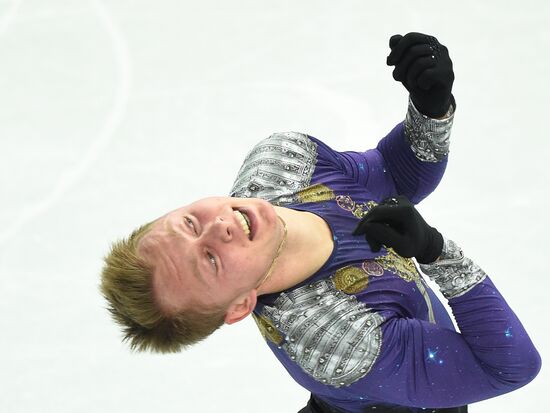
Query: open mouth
{"type": "Point", "coordinates": [245, 222]}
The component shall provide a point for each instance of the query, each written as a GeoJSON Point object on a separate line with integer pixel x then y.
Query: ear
{"type": "Point", "coordinates": [241, 307]}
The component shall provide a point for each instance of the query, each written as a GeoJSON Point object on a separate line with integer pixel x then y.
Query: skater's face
{"type": "Point", "coordinates": [201, 255]}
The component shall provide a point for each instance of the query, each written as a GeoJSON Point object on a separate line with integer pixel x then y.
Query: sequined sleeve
{"type": "Point", "coordinates": [422, 364]}
{"type": "Point", "coordinates": [454, 273]}
{"type": "Point", "coordinates": [415, 153]}
{"type": "Point", "coordinates": [429, 138]}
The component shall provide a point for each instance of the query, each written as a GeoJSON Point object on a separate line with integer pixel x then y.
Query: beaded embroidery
{"type": "Point", "coordinates": [333, 337]}
{"type": "Point", "coordinates": [277, 168]}
{"type": "Point", "coordinates": [454, 273]}
{"type": "Point", "coordinates": [429, 138]}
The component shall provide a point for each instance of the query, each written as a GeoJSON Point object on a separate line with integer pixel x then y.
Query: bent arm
{"type": "Point", "coordinates": [487, 323]}
{"type": "Point", "coordinates": [410, 160]}
{"type": "Point", "coordinates": [424, 365]}
{"type": "Point", "coordinates": [416, 152]}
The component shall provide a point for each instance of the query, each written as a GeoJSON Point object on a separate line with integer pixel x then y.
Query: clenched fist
{"type": "Point", "coordinates": [397, 224]}
{"type": "Point", "coordinates": [424, 67]}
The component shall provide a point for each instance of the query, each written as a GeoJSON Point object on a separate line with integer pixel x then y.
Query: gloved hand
{"type": "Point", "coordinates": [424, 67]}
{"type": "Point", "coordinates": [397, 224]}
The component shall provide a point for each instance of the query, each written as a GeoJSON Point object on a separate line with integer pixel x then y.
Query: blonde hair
{"type": "Point", "coordinates": [127, 285]}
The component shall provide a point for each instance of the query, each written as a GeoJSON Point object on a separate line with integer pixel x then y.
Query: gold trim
{"type": "Point", "coordinates": [268, 330]}
{"type": "Point", "coordinates": [400, 266]}
{"type": "Point", "coordinates": [315, 193]}
{"type": "Point", "coordinates": [350, 280]}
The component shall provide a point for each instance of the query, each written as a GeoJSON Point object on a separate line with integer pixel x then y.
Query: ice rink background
{"type": "Point", "coordinates": [115, 112]}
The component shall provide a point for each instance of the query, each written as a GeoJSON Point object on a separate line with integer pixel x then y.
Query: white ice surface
{"type": "Point", "coordinates": [115, 112]}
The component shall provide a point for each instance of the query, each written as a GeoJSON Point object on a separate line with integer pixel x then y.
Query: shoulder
{"type": "Point", "coordinates": [276, 166]}
{"type": "Point", "coordinates": [331, 335]}
{"type": "Point", "coordinates": [285, 143]}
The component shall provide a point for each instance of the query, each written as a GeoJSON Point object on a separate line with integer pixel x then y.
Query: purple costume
{"type": "Point", "coordinates": [366, 328]}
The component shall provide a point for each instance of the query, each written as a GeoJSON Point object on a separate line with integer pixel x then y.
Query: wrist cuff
{"type": "Point", "coordinates": [454, 273]}
{"type": "Point", "coordinates": [429, 138]}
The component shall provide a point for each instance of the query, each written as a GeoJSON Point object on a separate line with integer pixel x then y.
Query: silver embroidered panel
{"type": "Point", "coordinates": [454, 273]}
{"type": "Point", "coordinates": [276, 168]}
{"type": "Point", "coordinates": [429, 138]}
{"type": "Point", "coordinates": [332, 336]}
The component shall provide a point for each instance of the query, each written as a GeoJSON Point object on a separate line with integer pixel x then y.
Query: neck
{"type": "Point", "coordinates": [306, 248]}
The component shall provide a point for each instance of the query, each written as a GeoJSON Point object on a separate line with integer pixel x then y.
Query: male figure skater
{"type": "Point", "coordinates": [317, 245]}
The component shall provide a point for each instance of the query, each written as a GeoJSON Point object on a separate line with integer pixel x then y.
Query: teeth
{"type": "Point", "coordinates": [243, 219]}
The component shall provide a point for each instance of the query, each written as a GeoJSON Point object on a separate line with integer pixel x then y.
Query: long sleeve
{"type": "Point", "coordinates": [424, 365]}
{"type": "Point", "coordinates": [410, 160]}
{"type": "Point", "coordinates": [486, 322]}
{"type": "Point", "coordinates": [416, 153]}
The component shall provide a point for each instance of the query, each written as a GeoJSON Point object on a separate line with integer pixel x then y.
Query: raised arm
{"type": "Point", "coordinates": [416, 151]}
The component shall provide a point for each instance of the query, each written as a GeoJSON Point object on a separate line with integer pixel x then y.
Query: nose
{"type": "Point", "coordinates": [222, 228]}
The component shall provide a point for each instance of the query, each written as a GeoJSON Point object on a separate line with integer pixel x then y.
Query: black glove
{"type": "Point", "coordinates": [397, 224]}
{"type": "Point", "coordinates": [424, 67]}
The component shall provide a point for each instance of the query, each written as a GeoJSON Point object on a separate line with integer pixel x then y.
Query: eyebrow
{"type": "Point", "coordinates": [194, 263]}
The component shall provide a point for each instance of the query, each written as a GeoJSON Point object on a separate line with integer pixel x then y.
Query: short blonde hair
{"type": "Point", "coordinates": [127, 285]}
